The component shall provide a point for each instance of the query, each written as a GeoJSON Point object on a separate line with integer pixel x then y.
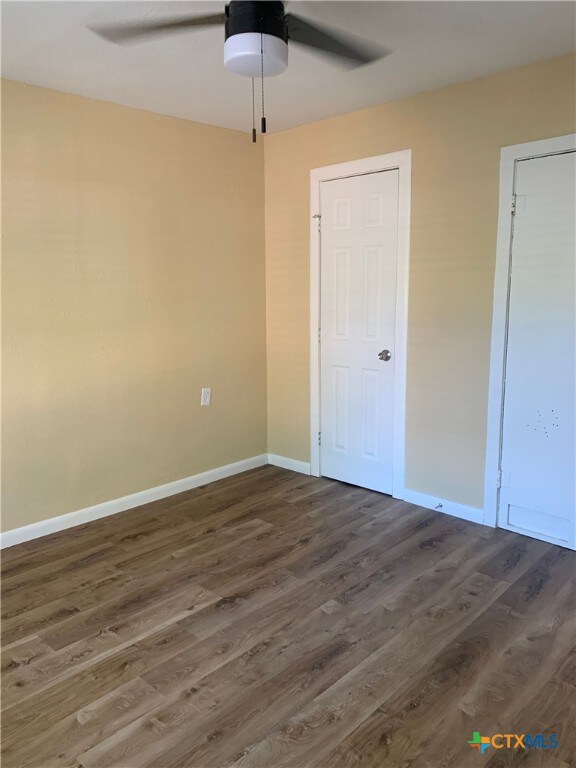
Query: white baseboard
{"type": "Point", "coordinates": [473, 514]}
{"type": "Point", "coordinates": [86, 515]}
{"type": "Point", "coordinates": [296, 466]}
{"type": "Point", "coordinates": [69, 520]}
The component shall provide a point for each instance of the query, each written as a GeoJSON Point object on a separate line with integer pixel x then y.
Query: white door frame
{"type": "Point", "coordinates": [508, 158]}
{"type": "Point", "coordinates": [402, 161]}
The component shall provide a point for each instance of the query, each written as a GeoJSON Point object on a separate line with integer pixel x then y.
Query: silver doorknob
{"type": "Point", "coordinates": [385, 355]}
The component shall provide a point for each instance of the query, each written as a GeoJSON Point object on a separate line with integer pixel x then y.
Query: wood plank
{"type": "Point", "coordinates": [78, 732]}
{"type": "Point", "coordinates": [155, 597]}
{"type": "Point", "coordinates": [248, 714]}
{"type": "Point", "coordinates": [275, 619]}
{"type": "Point", "coordinates": [21, 655]}
{"type": "Point", "coordinates": [46, 709]}
{"type": "Point", "coordinates": [101, 643]}
{"type": "Point", "coordinates": [207, 655]}
{"type": "Point", "coordinates": [29, 622]}
{"type": "Point", "coordinates": [422, 718]}
{"type": "Point", "coordinates": [341, 708]}
{"type": "Point", "coordinates": [41, 594]}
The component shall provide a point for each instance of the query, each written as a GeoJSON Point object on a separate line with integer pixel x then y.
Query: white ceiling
{"type": "Point", "coordinates": [432, 43]}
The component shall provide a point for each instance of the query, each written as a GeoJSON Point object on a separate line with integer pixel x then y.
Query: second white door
{"type": "Point", "coordinates": [359, 251]}
{"type": "Point", "coordinates": [538, 457]}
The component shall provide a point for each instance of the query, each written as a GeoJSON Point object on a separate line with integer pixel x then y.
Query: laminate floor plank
{"type": "Point", "coordinates": [66, 661]}
{"type": "Point", "coordinates": [30, 622]}
{"type": "Point", "coordinates": [192, 547]}
{"type": "Point", "coordinates": [247, 713]}
{"type": "Point", "coordinates": [21, 654]}
{"type": "Point", "coordinates": [48, 574]}
{"type": "Point", "coordinates": [401, 729]}
{"type": "Point", "coordinates": [273, 619]}
{"type": "Point", "coordinates": [421, 718]}
{"type": "Point", "coordinates": [21, 601]}
{"type": "Point", "coordinates": [156, 596]}
{"type": "Point", "coordinates": [51, 705]}
{"type": "Point", "coordinates": [308, 737]}
{"type": "Point", "coordinates": [78, 732]}
{"type": "Point", "coordinates": [240, 636]}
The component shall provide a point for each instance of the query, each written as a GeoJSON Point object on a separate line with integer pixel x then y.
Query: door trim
{"type": "Point", "coordinates": [508, 159]}
{"type": "Point", "coordinates": [401, 161]}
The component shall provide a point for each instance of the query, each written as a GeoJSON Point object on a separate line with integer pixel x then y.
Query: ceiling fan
{"type": "Point", "coordinates": [257, 33]}
{"type": "Point", "coordinates": [245, 22]}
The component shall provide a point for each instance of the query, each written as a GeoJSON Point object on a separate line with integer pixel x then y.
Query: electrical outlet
{"type": "Point", "coordinates": [205, 396]}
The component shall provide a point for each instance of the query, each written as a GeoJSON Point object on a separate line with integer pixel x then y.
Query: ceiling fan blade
{"type": "Point", "coordinates": [332, 43]}
{"type": "Point", "coordinates": [135, 33]}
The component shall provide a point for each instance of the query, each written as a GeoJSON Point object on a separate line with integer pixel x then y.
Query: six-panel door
{"type": "Point", "coordinates": [359, 245]}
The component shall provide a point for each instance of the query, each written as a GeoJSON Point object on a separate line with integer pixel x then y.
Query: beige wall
{"type": "Point", "coordinates": [455, 135]}
{"type": "Point", "coordinates": [133, 275]}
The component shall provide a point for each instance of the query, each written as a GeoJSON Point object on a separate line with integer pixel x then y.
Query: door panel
{"type": "Point", "coordinates": [358, 305]}
{"type": "Point", "coordinates": [538, 458]}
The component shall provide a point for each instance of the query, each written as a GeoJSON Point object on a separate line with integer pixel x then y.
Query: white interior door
{"type": "Point", "coordinates": [538, 461]}
{"type": "Point", "coordinates": [359, 247]}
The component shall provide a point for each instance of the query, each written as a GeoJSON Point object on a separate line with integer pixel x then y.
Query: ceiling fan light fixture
{"type": "Point", "coordinates": [243, 54]}
{"type": "Point", "coordinates": [256, 39]}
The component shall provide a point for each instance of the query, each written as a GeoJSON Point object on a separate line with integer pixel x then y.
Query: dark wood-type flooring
{"type": "Point", "coordinates": [273, 619]}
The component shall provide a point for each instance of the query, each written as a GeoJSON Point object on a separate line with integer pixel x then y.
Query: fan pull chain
{"type": "Point", "coordinates": [263, 123]}
{"type": "Point", "coordinates": [253, 114]}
